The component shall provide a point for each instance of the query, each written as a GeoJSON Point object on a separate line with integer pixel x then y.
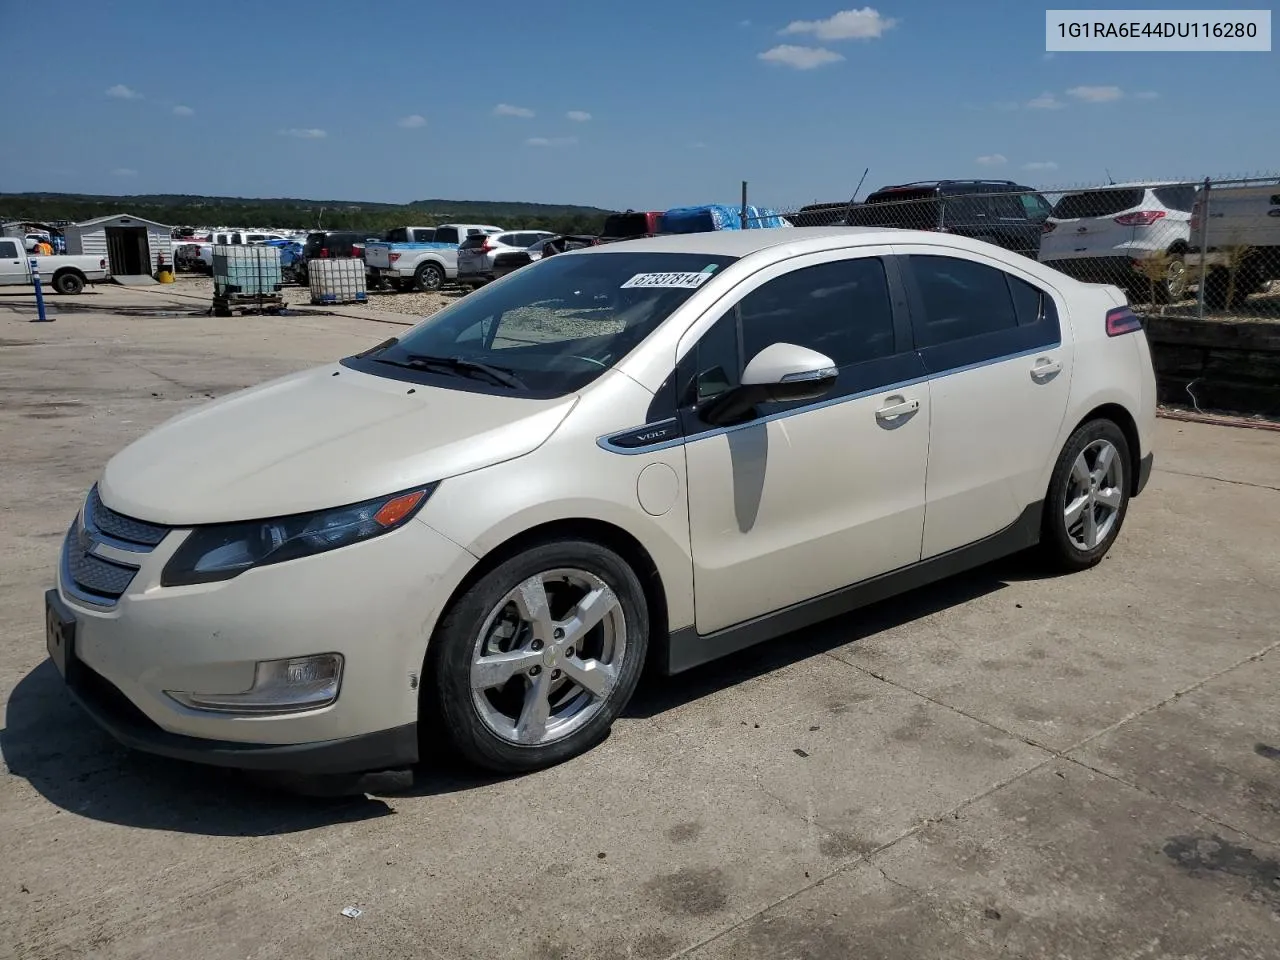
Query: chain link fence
{"type": "Point", "coordinates": [1206, 249]}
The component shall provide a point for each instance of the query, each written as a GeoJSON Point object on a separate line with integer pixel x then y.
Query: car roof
{"type": "Point", "coordinates": [741, 243]}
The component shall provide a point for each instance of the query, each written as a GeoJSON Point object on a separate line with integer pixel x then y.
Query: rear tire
{"type": "Point", "coordinates": [68, 283]}
{"type": "Point", "coordinates": [1088, 496]}
{"type": "Point", "coordinates": [429, 278]}
{"type": "Point", "coordinates": [515, 692]}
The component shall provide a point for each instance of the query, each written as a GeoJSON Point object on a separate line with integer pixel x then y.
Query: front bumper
{"type": "Point", "coordinates": [374, 602]}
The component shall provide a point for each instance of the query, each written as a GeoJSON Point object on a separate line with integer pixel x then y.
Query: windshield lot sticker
{"type": "Point", "coordinates": [681, 281]}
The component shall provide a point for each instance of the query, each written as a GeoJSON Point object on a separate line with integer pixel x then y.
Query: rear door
{"type": "Point", "coordinates": [999, 375]}
{"type": "Point", "coordinates": [13, 266]}
{"type": "Point", "coordinates": [471, 257]}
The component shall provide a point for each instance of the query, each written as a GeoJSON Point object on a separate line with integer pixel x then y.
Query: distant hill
{"type": "Point", "coordinates": [193, 210]}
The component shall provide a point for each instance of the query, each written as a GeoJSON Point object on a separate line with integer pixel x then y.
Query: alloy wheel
{"type": "Point", "coordinates": [548, 657]}
{"type": "Point", "coordinates": [1094, 495]}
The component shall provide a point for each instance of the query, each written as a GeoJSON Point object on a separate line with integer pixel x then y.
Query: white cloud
{"type": "Point", "coordinates": [864, 24]}
{"type": "Point", "coordinates": [697, 145]}
{"type": "Point", "coordinates": [121, 92]}
{"type": "Point", "coordinates": [992, 159]}
{"type": "Point", "coordinates": [183, 111]}
{"type": "Point", "coordinates": [304, 133]}
{"type": "Point", "coordinates": [1040, 165]}
{"type": "Point", "coordinates": [1096, 94]}
{"type": "Point", "coordinates": [801, 58]}
{"type": "Point", "coordinates": [1046, 101]}
{"type": "Point", "coordinates": [507, 110]}
{"type": "Point", "coordinates": [580, 116]}
{"type": "Point", "coordinates": [1146, 95]}
{"type": "Point", "coordinates": [412, 121]}
{"type": "Point", "coordinates": [744, 23]}
{"type": "Point", "coordinates": [124, 172]}
{"type": "Point", "coordinates": [550, 141]}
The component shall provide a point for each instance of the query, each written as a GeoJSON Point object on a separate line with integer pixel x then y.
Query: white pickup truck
{"type": "Point", "coordinates": [423, 266]}
{"type": "Point", "coordinates": [1241, 241]}
{"type": "Point", "coordinates": [65, 274]}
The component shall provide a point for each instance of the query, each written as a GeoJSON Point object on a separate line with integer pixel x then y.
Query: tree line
{"type": "Point", "coordinates": [180, 210]}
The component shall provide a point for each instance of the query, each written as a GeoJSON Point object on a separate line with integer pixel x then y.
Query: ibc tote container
{"type": "Point", "coordinates": [240, 271]}
{"type": "Point", "coordinates": [337, 280]}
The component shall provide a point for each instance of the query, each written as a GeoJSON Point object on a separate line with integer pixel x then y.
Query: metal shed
{"type": "Point", "coordinates": [131, 245]}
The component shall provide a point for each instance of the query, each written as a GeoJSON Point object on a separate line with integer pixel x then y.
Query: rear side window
{"type": "Point", "coordinates": [446, 234]}
{"type": "Point", "coordinates": [840, 309]}
{"type": "Point", "coordinates": [960, 299]}
{"type": "Point", "coordinates": [398, 235]}
{"type": "Point", "coordinates": [1035, 207]}
{"type": "Point", "coordinates": [1097, 203]}
{"type": "Point", "coordinates": [1181, 197]}
{"type": "Point", "coordinates": [910, 209]}
{"type": "Point", "coordinates": [423, 236]}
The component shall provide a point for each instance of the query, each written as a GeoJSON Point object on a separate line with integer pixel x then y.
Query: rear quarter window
{"type": "Point", "coordinates": [446, 235]}
{"type": "Point", "coordinates": [1181, 197]}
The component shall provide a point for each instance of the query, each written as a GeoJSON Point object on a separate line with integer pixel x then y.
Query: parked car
{"type": "Point", "coordinates": [484, 529]}
{"type": "Point", "coordinates": [325, 244]}
{"type": "Point", "coordinates": [64, 273]}
{"type": "Point", "coordinates": [821, 214]}
{"type": "Point", "coordinates": [410, 235]}
{"type": "Point", "coordinates": [631, 224]}
{"type": "Point", "coordinates": [1107, 234]}
{"type": "Point", "coordinates": [1241, 241]}
{"type": "Point", "coordinates": [424, 266]}
{"type": "Point", "coordinates": [513, 260]}
{"type": "Point", "coordinates": [1002, 212]}
{"type": "Point", "coordinates": [477, 253]}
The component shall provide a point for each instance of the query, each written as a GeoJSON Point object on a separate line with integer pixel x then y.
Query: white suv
{"type": "Point", "coordinates": [1106, 235]}
{"type": "Point", "coordinates": [658, 451]}
{"type": "Point", "coordinates": [478, 254]}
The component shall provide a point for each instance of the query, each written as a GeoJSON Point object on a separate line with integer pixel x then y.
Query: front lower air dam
{"type": "Point", "coordinates": [279, 687]}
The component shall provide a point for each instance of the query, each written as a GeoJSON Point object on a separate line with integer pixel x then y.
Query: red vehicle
{"type": "Point", "coordinates": [631, 224]}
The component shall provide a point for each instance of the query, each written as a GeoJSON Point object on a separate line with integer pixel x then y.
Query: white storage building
{"type": "Point", "coordinates": [131, 245]}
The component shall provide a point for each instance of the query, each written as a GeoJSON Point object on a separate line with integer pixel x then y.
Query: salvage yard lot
{"type": "Point", "coordinates": [1083, 766]}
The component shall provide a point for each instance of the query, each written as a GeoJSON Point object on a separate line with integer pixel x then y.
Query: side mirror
{"type": "Point", "coordinates": [780, 373]}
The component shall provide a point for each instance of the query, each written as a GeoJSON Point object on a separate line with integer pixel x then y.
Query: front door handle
{"type": "Point", "coordinates": [1044, 368]}
{"type": "Point", "coordinates": [903, 408]}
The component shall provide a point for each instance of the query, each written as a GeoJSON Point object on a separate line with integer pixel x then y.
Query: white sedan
{"type": "Point", "coordinates": [664, 450]}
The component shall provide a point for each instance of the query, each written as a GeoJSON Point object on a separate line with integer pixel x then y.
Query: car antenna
{"type": "Point", "coordinates": [1110, 181]}
{"type": "Point", "coordinates": [848, 210]}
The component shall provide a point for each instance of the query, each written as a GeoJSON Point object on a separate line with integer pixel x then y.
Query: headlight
{"type": "Point", "coordinates": [221, 551]}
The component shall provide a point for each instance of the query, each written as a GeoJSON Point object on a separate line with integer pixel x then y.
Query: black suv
{"type": "Point", "coordinates": [1002, 212]}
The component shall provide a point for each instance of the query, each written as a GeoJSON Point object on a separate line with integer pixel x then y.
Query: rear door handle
{"type": "Point", "coordinates": [902, 409]}
{"type": "Point", "coordinates": [1045, 368]}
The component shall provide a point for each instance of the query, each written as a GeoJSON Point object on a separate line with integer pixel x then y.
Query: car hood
{"type": "Point", "coordinates": [321, 438]}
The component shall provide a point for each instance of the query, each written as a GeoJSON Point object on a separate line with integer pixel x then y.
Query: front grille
{"type": "Point", "coordinates": [93, 578]}
{"type": "Point", "coordinates": [118, 526]}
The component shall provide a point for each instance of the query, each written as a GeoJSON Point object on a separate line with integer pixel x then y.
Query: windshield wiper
{"type": "Point", "coordinates": [460, 365]}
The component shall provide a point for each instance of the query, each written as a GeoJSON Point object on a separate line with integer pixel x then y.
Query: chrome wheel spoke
{"type": "Point", "coordinates": [1109, 497]}
{"type": "Point", "coordinates": [1080, 472]}
{"type": "Point", "coordinates": [1074, 509]}
{"type": "Point", "coordinates": [494, 671]}
{"type": "Point", "coordinates": [591, 675]}
{"type": "Point", "coordinates": [591, 609]}
{"type": "Point", "coordinates": [531, 727]}
{"type": "Point", "coordinates": [535, 609]}
{"type": "Point", "coordinates": [1090, 526]}
{"type": "Point", "coordinates": [1102, 465]}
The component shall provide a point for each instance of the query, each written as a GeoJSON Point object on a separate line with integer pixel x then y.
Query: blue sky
{"type": "Point", "coordinates": [617, 104]}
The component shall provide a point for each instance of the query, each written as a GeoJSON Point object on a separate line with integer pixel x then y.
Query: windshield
{"type": "Point", "coordinates": [554, 326]}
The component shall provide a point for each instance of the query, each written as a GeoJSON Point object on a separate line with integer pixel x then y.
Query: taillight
{"type": "Point", "coordinates": [324, 251]}
{"type": "Point", "coordinates": [487, 247]}
{"type": "Point", "coordinates": [392, 257]}
{"type": "Point", "coordinates": [1143, 218]}
{"type": "Point", "coordinates": [1048, 227]}
{"type": "Point", "coordinates": [1122, 320]}
{"type": "Point", "coordinates": [102, 264]}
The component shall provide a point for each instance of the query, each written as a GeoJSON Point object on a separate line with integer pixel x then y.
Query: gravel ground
{"type": "Point", "coordinates": [412, 304]}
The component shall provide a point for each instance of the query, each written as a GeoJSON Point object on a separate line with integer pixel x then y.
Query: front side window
{"type": "Point", "coordinates": [546, 330]}
{"type": "Point", "coordinates": [8, 249]}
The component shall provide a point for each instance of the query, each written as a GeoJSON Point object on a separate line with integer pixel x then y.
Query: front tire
{"type": "Point", "coordinates": [535, 661]}
{"type": "Point", "coordinates": [1088, 496]}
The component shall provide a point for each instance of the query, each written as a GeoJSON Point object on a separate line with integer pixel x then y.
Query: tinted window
{"type": "Point", "coordinates": [1035, 206]}
{"type": "Point", "coordinates": [1096, 203]}
{"type": "Point", "coordinates": [398, 235]}
{"type": "Point", "coordinates": [446, 234]}
{"type": "Point", "coordinates": [626, 225]}
{"type": "Point", "coordinates": [423, 236]}
{"type": "Point", "coordinates": [9, 248]}
{"type": "Point", "coordinates": [1182, 197]}
{"type": "Point", "coordinates": [910, 209]}
{"type": "Point", "coordinates": [556, 326]}
{"type": "Point", "coordinates": [1028, 302]}
{"type": "Point", "coordinates": [841, 309]}
{"type": "Point", "coordinates": [474, 242]}
{"type": "Point", "coordinates": [717, 363]}
{"type": "Point", "coordinates": [1005, 206]}
{"type": "Point", "coordinates": [959, 299]}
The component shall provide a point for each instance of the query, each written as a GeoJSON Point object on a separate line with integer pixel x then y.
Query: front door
{"type": "Point", "coordinates": [999, 378]}
{"type": "Point", "coordinates": [13, 267]}
{"type": "Point", "coordinates": [805, 498]}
